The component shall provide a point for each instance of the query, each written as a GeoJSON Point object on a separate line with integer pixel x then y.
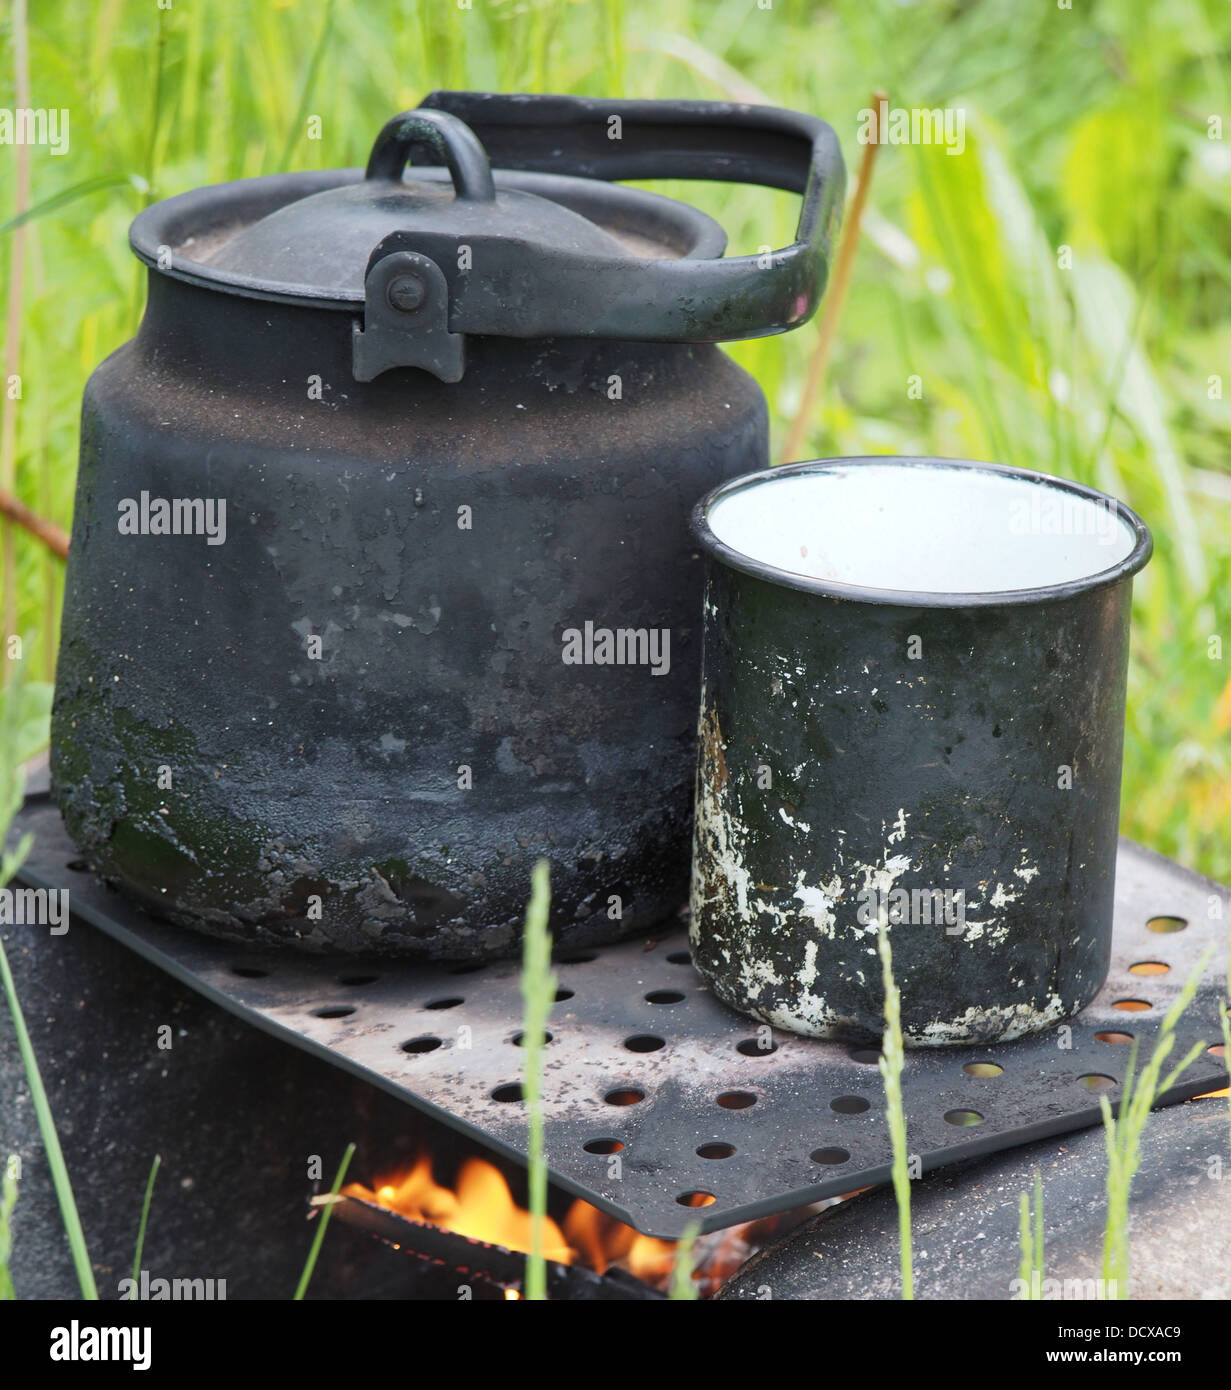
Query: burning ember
{"type": "Point", "coordinates": [482, 1208]}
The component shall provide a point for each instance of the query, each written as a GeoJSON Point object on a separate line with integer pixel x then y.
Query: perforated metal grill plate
{"type": "Point", "coordinates": [793, 1125]}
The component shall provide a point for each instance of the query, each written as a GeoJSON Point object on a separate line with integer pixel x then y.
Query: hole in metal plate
{"type": "Point", "coordinates": [1096, 1081]}
{"type": "Point", "coordinates": [736, 1100]}
{"type": "Point", "coordinates": [715, 1150]}
{"type": "Point", "coordinates": [963, 1117]}
{"type": "Point", "coordinates": [850, 1105]}
{"type": "Point", "coordinates": [1166, 925]}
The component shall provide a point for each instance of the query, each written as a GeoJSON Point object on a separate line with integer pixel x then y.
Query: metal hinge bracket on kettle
{"type": "Point", "coordinates": [406, 320]}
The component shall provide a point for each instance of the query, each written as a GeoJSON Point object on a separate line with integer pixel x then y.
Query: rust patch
{"type": "Point", "coordinates": [711, 748]}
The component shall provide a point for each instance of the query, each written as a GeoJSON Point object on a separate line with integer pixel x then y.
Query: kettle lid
{"type": "Point", "coordinates": [321, 244]}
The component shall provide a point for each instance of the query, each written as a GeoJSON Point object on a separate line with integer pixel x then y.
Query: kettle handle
{"type": "Point", "coordinates": [681, 299]}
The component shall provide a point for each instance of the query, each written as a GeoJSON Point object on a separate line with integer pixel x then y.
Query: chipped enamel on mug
{"type": "Point", "coordinates": [912, 711]}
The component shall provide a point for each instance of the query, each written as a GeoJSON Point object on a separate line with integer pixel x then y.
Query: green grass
{"type": "Point", "coordinates": [139, 1249]}
{"type": "Point", "coordinates": [1123, 1131]}
{"type": "Point", "coordinates": [538, 989]}
{"type": "Point", "coordinates": [51, 1140]}
{"type": "Point", "coordinates": [1030, 1237]}
{"type": "Point", "coordinates": [11, 784]}
{"type": "Point", "coordinates": [8, 1200]}
{"type": "Point", "coordinates": [1085, 128]}
{"type": "Point", "coordinates": [683, 1287]}
{"type": "Point", "coordinates": [322, 1226]}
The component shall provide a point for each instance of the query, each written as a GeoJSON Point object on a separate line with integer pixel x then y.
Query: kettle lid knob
{"type": "Point", "coordinates": [448, 140]}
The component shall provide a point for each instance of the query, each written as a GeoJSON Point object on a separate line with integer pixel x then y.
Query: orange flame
{"type": "Point", "coordinates": [482, 1208]}
{"type": "Point", "coordinates": [602, 1241]}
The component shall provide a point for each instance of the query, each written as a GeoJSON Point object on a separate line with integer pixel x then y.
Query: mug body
{"type": "Point", "coordinates": [912, 719]}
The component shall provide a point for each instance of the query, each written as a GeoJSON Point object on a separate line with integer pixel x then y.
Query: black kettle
{"type": "Point", "coordinates": [381, 584]}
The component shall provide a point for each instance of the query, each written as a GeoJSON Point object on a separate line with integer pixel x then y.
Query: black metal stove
{"type": "Point", "coordinates": [645, 1068]}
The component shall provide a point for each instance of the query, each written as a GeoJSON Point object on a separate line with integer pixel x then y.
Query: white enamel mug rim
{"type": "Point", "coordinates": [708, 528]}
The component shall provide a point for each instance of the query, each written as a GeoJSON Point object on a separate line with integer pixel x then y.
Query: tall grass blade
{"type": "Point", "coordinates": [10, 861]}
{"type": "Point", "coordinates": [156, 101]}
{"type": "Point", "coordinates": [1025, 1259]}
{"type": "Point", "coordinates": [66, 196]}
{"type": "Point", "coordinates": [1038, 1222]}
{"type": "Point", "coordinates": [683, 1287]}
{"type": "Point", "coordinates": [295, 130]}
{"type": "Point", "coordinates": [1107, 311]}
{"type": "Point", "coordinates": [538, 989]}
{"type": "Point", "coordinates": [1030, 1243]}
{"type": "Point", "coordinates": [8, 1200]}
{"type": "Point", "coordinates": [51, 1140]}
{"type": "Point", "coordinates": [326, 1212]}
{"type": "Point", "coordinates": [1123, 1131]}
{"type": "Point", "coordinates": [14, 325]}
{"type": "Point", "coordinates": [145, 1216]}
{"type": "Point", "coordinates": [150, 162]}
{"type": "Point", "coordinates": [839, 283]}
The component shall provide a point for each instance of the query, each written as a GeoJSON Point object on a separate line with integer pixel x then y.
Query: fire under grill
{"type": "Point", "coordinates": [482, 1264]}
{"type": "Point", "coordinates": [662, 1107]}
{"type": "Point", "coordinates": [589, 1257]}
